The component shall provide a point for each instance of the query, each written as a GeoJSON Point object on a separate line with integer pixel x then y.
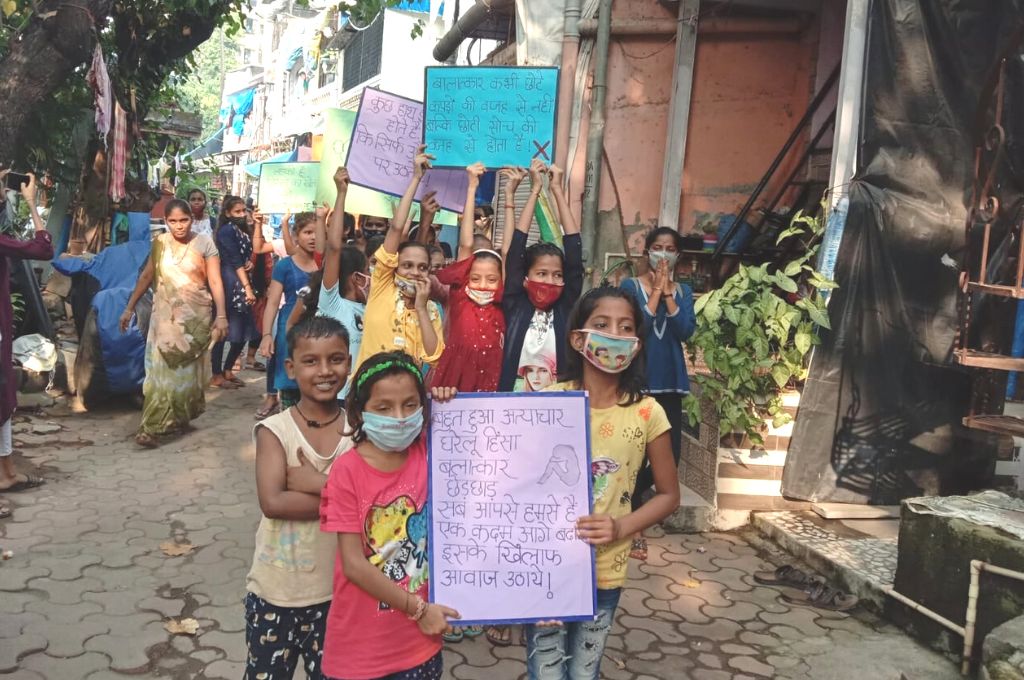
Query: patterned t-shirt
{"type": "Point", "coordinates": [618, 439]}
{"type": "Point", "coordinates": [365, 638]}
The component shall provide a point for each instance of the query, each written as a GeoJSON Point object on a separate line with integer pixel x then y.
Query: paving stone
{"type": "Point", "coordinates": [752, 666]}
{"type": "Point", "coordinates": [128, 652]}
{"type": "Point", "coordinates": [66, 639]}
{"type": "Point", "coordinates": [13, 649]}
{"type": "Point", "coordinates": [232, 644]}
{"type": "Point", "coordinates": [230, 619]}
{"type": "Point", "coordinates": [224, 670]}
{"type": "Point", "coordinates": [17, 577]}
{"type": "Point", "coordinates": [67, 567]}
{"type": "Point", "coordinates": [710, 660]}
{"type": "Point", "coordinates": [54, 668]}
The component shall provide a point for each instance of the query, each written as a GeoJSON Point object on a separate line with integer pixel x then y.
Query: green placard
{"type": "Point", "coordinates": [288, 187]}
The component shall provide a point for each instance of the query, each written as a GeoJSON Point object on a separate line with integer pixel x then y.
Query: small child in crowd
{"type": "Point", "coordinates": [626, 427]}
{"type": "Point", "coordinates": [375, 500]}
{"type": "Point", "coordinates": [399, 313]}
{"type": "Point", "coordinates": [290, 275]}
{"type": "Point", "coordinates": [541, 286]}
{"type": "Point", "coordinates": [290, 583]}
{"type": "Point", "coordinates": [472, 362]}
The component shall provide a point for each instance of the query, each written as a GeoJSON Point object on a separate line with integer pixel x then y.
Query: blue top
{"type": "Point", "coordinates": [292, 279]}
{"type": "Point", "coordinates": [349, 314]}
{"type": "Point", "coordinates": [663, 343]}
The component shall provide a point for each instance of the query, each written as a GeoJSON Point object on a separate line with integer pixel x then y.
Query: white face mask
{"type": "Point", "coordinates": [481, 297]}
{"type": "Point", "coordinates": [655, 257]}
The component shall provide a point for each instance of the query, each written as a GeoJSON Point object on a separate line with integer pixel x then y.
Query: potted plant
{"type": "Point", "coordinates": [754, 334]}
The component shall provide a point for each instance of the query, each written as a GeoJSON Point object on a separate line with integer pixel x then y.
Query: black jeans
{"type": "Point", "coordinates": [222, 363]}
{"type": "Point", "coordinates": [673, 405]}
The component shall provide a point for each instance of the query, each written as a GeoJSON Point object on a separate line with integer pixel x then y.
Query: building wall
{"type": "Point", "coordinates": [749, 91]}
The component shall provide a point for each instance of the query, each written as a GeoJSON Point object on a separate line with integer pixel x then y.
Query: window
{"type": "Point", "coordinates": [363, 54]}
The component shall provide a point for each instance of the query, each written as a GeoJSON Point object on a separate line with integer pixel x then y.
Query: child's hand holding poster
{"type": "Point", "coordinates": [509, 476]}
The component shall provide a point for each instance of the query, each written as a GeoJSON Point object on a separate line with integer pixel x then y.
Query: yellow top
{"type": "Point", "coordinates": [389, 323]}
{"type": "Point", "coordinates": [618, 444]}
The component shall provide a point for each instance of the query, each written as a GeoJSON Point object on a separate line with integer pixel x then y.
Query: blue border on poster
{"type": "Point", "coordinates": [554, 119]}
{"type": "Point", "coordinates": [590, 499]}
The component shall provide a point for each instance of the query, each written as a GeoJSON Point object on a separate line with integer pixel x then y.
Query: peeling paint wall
{"type": "Point", "coordinates": [750, 90]}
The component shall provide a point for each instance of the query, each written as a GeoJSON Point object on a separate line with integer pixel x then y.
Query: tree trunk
{"type": "Point", "coordinates": [60, 39]}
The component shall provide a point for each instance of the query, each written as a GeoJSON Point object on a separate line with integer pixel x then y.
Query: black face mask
{"type": "Point", "coordinates": [240, 222]}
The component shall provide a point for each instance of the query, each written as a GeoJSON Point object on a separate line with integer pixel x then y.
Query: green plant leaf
{"type": "Point", "coordinates": [781, 375]}
{"type": "Point", "coordinates": [785, 283]}
{"type": "Point", "coordinates": [819, 317]}
{"type": "Point", "coordinates": [803, 341]}
{"type": "Point", "coordinates": [794, 267]}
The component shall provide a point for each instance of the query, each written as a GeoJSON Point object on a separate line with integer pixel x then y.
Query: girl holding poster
{"type": "Point", "coordinates": [605, 357]}
{"type": "Point", "coordinates": [380, 624]}
{"type": "Point", "coordinates": [476, 332]}
{"type": "Point", "coordinates": [399, 314]}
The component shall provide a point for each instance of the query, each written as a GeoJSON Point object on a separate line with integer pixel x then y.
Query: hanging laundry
{"type": "Point", "coordinates": [119, 153]}
{"type": "Point", "coordinates": [99, 81]}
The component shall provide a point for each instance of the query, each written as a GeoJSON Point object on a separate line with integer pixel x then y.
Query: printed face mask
{"type": "Point", "coordinates": [362, 282]}
{"type": "Point", "coordinates": [609, 353]}
{"type": "Point", "coordinates": [406, 287]}
{"type": "Point", "coordinates": [393, 435]}
{"type": "Point", "coordinates": [481, 297]}
{"type": "Point", "coordinates": [543, 295]}
{"type": "Point", "coordinates": [656, 257]}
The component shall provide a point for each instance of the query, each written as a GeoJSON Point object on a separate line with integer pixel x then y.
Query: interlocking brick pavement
{"type": "Point", "coordinates": [88, 589]}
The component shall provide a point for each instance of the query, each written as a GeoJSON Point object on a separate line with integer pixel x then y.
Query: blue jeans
{"type": "Point", "coordinates": [573, 650]}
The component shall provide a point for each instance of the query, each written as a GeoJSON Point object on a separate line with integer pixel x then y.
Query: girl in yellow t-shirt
{"type": "Point", "coordinates": [606, 359]}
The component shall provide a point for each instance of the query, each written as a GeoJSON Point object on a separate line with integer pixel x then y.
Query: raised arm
{"type": "Point", "coordinates": [420, 165]}
{"type": "Point", "coordinates": [474, 172]}
{"type": "Point", "coordinates": [286, 234]}
{"type": "Point", "coordinates": [260, 245]}
{"type": "Point", "coordinates": [322, 211]}
{"type": "Point", "coordinates": [336, 231]}
{"type": "Point", "coordinates": [514, 176]}
{"type": "Point", "coordinates": [569, 225]}
{"type": "Point", "coordinates": [429, 207]}
{"type": "Point", "coordinates": [537, 171]}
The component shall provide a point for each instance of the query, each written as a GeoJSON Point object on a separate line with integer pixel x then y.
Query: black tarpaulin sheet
{"type": "Point", "coordinates": [880, 415]}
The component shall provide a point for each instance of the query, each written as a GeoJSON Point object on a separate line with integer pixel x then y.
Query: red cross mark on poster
{"type": "Point", "coordinates": [542, 149]}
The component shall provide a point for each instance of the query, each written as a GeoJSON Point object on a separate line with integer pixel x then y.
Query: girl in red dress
{"type": "Point", "coordinates": [476, 332]}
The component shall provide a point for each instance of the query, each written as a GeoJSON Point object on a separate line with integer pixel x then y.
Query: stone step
{"type": "Point", "coordinates": [859, 557]}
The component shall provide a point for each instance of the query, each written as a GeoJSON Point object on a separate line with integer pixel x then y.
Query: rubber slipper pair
{"type": "Point", "coordinates": [500, 636]}
{"type": "Point", "coordinates": [267, 411]}
{"type": "Point", "coordinates": [806, 590]}
{"type": "Point", "coordinates": [461, 632]}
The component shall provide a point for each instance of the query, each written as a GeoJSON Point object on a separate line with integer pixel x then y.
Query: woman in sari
{"type": "Point", "coordinates": [184, 269]}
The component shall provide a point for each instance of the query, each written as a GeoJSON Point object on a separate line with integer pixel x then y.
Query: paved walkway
{"type": "Point", "coordinates": [88, 589]}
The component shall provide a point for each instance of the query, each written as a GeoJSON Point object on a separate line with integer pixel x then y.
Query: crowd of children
{"type": "Point", "coordinates": [375, 321]}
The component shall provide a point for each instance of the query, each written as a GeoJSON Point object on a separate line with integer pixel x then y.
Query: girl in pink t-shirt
{"type": "Point", "coordinates": [380, 624]}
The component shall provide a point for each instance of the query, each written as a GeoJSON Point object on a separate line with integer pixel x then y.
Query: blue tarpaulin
{"type": "Point", "coordinates": [124, 354]}
{"type": "Point", "coordinates": [238, 106]}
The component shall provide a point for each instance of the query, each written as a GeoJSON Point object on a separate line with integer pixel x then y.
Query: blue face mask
{"type": "Point", "coordinates": [393, 435]}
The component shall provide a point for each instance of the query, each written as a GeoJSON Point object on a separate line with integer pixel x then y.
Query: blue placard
{"type": "Point", "coordinates": [495, 115]}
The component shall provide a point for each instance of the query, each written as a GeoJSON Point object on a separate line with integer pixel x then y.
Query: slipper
{"type": "Point", "coordinates": [821, 596]}
{"type": "Point", "coordinates": [473, 631]}
{"type": "Point", "coordinates": [257, 366]}
{"type": "Point", "coordinates": [5, 512]}
{"type": "Point", "coordinates": [146, 441]}
{"type": "Point", "coordinates": [266, 411]}
{"type": "Point", "coordinates": [638, 550]}
{"type": "Point", "coordinates": [455, 636]}
{"type": "Point", "coordinates": [226, 385]}
{"type": "Point", "coordinates": [786, 575]}
{"type": "Point", "coordinates": [30, 482]}
{"type": "Point", "coordinates": [236, 380]}
{"type": "Point", "coordinates": [499, 636]}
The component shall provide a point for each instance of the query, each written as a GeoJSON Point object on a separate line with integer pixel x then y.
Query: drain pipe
{"type": "Point", "coordinates": [595, 136]}
{"type": "Point", "coordinates": [967, 630]}
{"type": "Point", "coordinates": [567, 84]}
{"type": "Point", "coordinates": [977, 566]}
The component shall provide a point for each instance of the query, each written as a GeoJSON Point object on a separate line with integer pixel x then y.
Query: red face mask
{"type": "Point", "coordinates": [543, 295]}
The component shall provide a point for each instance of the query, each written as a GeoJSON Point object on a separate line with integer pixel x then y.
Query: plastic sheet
{"type": "Point", "coordinates": [880, 415]}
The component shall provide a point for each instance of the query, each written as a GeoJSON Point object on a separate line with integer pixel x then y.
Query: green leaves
{"type": "Point", "coordinates": [754, 341]}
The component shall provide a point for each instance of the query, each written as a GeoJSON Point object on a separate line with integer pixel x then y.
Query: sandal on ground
{"type": "Point", "coordinates": [821, 596]}
{"type": "Point", "coordinates": [473, 631]}
{"type": "Point", "coordinates": [146, 441]}
{"type": "Point", "coordinates": [30, 482]}
{"type": "Point", "coordinates": [259, 366]}
{"type": "Point", "coordinates": [786, 575]}
{"type": "Point", "coordinates": [224, 384]}
{"type": "Point", "coordinates": [236, 380]}
{"type": "Point", "coordinates": [455, 636]}
{"type": "Point", "coordinates": [638, 550]}
{"type": "Point", "coordinates": [267, 411]}
{"type": "Point", "coordinates": [5, 511]}
{"type": "Point", "coordinates": [499, 636]}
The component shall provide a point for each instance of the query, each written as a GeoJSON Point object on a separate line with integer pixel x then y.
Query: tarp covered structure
{"type": "Point", "coordinates": [881, 412]}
